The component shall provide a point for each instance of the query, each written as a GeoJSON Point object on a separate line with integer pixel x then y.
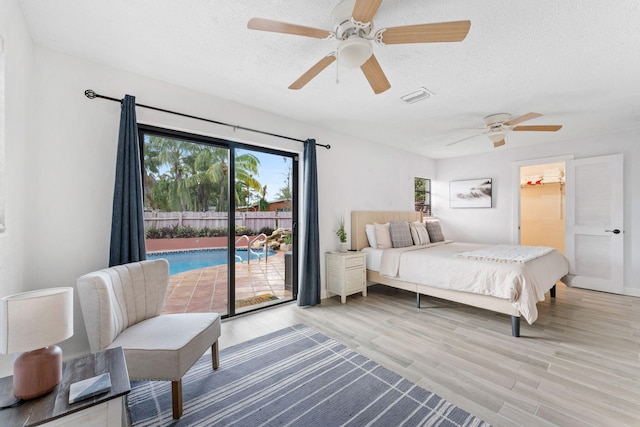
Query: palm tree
{"type": "Point", "coordinates": [150, 172]}
{"type": "Point", "coordinates": [173, 153]}
{"type": "Point", "coordinates": [263, 204]}
{"type": "Point", "coordinates": [191, 176]}
{"type": "Point", "coordinates": [200, 183]}
{"type": "Point", "coordinates": [246, 170]}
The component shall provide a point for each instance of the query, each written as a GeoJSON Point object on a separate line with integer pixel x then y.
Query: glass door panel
{"type": "Point", "coordinates": [264, 229]}
{"type": "Point", "coordinates": [186, 222]}
{"type": "Point", "coordinates": [211, 204]}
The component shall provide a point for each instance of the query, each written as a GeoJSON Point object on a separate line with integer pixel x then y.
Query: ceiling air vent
{"type": "Point", "coordinates": [417, 95]}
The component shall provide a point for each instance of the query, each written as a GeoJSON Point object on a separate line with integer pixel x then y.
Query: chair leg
{"type": "Point", "coordinates": [215, 355]}
{"type": "Point", "coordinates": [176, 398]}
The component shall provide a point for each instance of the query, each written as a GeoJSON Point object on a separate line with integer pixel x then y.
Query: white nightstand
{"type": "Point", "coordinates": [346, 273]}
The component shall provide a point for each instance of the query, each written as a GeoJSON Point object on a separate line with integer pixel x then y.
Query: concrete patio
{"type": "Point", "coordinates": [205, 289]}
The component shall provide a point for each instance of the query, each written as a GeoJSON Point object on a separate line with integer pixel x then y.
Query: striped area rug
{"type": "Point", "coordinates": [293, 377]}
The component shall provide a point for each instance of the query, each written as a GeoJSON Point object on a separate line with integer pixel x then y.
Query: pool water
{"type": "Point", "coordinates": [181, 261]}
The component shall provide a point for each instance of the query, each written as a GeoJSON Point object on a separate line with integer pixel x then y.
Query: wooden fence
{"type": "Point", "coordinates": [254, 221]}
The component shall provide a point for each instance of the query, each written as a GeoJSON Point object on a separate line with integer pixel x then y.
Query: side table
{"type": "Point", "coordinates": [104, 410]}
{"type": "Point", "coordinates": [346, 273]}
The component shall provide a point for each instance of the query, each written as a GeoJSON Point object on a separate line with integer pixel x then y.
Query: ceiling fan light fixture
{"type": "Point", "coordinates": [354, 52]}
{"type": "Point", "coordinates": [497, 136]}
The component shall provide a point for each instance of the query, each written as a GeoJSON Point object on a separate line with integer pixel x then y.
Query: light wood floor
{"type": "Point", "coordinates": [578, 365]}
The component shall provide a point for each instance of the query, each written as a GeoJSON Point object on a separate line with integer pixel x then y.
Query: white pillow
{"type": "Point", "coordinates": [383, 236]}
{"type": "Point", "coordinates": [419, 235]}
{"type": "Point", "coordinates": [370, 230]}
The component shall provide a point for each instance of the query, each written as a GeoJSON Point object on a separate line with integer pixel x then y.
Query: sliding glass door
{"type": "Point", "coordinates": [224, 215]}
{"type": "Point", "coordinates": [264, 220]}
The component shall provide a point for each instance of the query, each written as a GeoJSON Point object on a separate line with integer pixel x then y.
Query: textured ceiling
{"type": "Point", "coordinates": [577, 62]}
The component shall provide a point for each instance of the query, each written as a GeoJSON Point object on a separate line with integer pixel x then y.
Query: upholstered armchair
{"type": "Point", "coordinates": [121, 307]}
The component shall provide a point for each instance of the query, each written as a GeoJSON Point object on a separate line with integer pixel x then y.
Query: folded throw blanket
{"type": "Point", "coordinates": [512, 254]}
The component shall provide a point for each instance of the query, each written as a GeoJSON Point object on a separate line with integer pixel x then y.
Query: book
{"type": "Point", "coordinates": [90, 387]}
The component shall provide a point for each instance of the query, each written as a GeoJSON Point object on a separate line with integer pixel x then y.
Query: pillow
{"type": "Point", "coordinates": [370, 231]}
{"type": "Point", "coordinates": [435, 232]}
{"type": "Point", "coordinates": [419, 233]}
{"type": "Point", "coordinates": [383, 236]}
{"type": "Point", "coordinates": [400, 234]}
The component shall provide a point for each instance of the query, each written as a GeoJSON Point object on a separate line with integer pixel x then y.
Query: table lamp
{"type": "Point", "coordinates": [32, 323]}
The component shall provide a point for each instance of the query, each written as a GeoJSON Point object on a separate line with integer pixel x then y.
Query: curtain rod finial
{"type": "Point", "coordinates": [89, 94]}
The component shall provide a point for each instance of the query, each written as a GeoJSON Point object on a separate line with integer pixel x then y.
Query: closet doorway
{"type": "Point", "coordinates": [542, 205]}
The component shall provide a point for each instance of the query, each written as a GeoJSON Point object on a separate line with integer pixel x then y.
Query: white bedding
{"type": "Point", "coordinates": [374, 256]}
{"type": "Point", "coordinates": [519, 254]}
{"type": "Point", "coordinates": [436, 264]}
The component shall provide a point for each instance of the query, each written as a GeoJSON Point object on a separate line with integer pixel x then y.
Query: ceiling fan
{"type": "Point", "coordinates": [497, 126]}
{"type": "Point", "coordinates": [353, 29]}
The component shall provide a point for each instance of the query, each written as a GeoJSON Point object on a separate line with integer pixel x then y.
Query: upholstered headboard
{"type": "Point", "coordinates": [360, 218]}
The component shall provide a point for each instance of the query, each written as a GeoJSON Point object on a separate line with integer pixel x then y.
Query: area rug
{"type": "Point", "coordinates": [293, 377]}
{"type": "Point", "coordinates": [258, 299]}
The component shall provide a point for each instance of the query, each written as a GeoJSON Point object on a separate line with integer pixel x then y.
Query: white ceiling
{"type": "Point", "coordinates": [577, 62]}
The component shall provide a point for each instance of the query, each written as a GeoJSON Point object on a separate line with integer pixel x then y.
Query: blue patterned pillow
{"type": "Point", "coordinates": [400, 234]}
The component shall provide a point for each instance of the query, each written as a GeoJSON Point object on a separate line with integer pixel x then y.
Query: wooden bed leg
{"type": "Point", "coordinates": [515, 326]}
{"type": "Point", "coordinates": [552, 291]}
{"type": "Point", "coordinates": [418, 299]}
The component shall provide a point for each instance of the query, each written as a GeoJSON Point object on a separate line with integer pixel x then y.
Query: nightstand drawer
{"type": "Point", "coordinates": [354, 262]}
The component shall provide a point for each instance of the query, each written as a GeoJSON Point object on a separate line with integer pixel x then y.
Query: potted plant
{"type": "Point", "coordinates": [342, 235]}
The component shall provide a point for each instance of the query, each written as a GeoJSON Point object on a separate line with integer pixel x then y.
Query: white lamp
{"type": "Point", "coordinates": [354, 52]}
{"type": "Point", "coordinates": [32, 322]}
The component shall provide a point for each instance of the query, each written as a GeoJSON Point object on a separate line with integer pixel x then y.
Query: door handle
{"type": "Point", "coordinates": [614, 231]}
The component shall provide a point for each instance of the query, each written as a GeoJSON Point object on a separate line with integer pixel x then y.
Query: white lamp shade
{"type": "Point", "coordinates": [354, 52]}
{"type": "Point", "coordinates": [497, 136]}
{"type": "Point", "coordinates": [35, 319]}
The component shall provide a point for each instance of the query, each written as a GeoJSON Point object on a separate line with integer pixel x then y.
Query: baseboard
{"type": "Point", "coordinates": [634, 292]}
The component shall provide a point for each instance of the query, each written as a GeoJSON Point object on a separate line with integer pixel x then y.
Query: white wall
{"type": "Point", "coordinates": [18, 51]}
{"type": "Point", "coordinates": [495, 225]}
{"type": "Point", "coordinates": [60, 162]}
{"type": "Point", "coordinates": [71, 164]}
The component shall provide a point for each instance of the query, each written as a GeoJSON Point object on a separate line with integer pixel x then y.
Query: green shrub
{"type": "Point", "coordinates": [192, 232]}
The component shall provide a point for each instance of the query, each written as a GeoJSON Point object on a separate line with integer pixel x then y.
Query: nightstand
{"type": "Point", "coordinates": [346, 273]}
{"type": "Point", "coordinates": [104, 410]}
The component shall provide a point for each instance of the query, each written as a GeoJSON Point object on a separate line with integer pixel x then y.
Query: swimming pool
{"type": "Point", "coordinates": [181, 261]}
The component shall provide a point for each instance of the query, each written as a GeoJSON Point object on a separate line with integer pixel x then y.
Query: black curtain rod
{"type": "Point", "coordinates": [91, 95]}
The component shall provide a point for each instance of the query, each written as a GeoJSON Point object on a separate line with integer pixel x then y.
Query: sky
{"type": "Point", "coordinates": [273, 170]}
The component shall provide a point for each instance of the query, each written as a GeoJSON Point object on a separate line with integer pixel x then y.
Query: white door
{"type": "Point", "coordinates": [594, 234]}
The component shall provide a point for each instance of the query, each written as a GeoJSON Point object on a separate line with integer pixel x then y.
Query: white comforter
{"type": "Point", "coordinates": [436, 264]}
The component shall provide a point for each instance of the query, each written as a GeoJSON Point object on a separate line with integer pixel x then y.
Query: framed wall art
{"type": "Point", "coordinates": [470, 193]}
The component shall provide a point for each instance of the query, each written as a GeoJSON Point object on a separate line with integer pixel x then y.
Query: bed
{"type": "Point", "coordinates": [461, 272]}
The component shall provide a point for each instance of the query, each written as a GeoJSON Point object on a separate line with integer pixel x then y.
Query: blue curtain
{"type": "Point", "coordinates": [127, 224]}
{"type": "Point", "coordinates": [309, 293]}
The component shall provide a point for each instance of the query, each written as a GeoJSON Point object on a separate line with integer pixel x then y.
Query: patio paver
{"type": "Point", "coordinates": [205, 289]}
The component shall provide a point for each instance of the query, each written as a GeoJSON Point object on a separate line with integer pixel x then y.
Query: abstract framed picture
{"type": "Point", "coordinates": [470, 193]}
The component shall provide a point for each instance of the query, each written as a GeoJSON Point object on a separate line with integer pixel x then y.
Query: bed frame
{"type": "Point", "coordinates": [359, 240]}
